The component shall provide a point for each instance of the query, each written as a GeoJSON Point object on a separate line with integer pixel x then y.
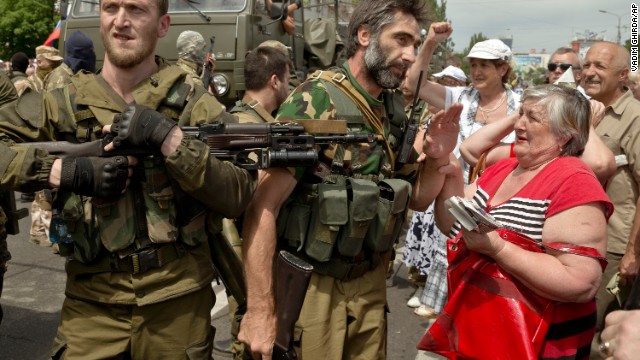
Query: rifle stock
{"type": "Point", "coordinates": [292, 279]}
{"type": "Point", "coordinates": [208, 68]}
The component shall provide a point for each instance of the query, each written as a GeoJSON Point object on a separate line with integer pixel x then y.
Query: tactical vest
{"type": "Point", "coordinates": [146, 216]}
{"type": "Point", "coordinates": [346, 222]}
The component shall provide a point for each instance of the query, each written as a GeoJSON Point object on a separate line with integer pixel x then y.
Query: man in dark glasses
{"type": "Point", "coordinates": [560, 61]}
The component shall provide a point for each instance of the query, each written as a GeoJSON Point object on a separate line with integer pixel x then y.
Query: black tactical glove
{"type": "Point", "coordinates": [140, 126]}
{"type": "Point", "coordinates": [95, 176]}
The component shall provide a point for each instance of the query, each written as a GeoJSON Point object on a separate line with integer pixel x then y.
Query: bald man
{"type": "Point", "coordinates": [604, 74]}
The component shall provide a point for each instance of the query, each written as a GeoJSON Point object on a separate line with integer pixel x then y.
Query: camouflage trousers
{"type": "Point", "coordinates": [40, 220]}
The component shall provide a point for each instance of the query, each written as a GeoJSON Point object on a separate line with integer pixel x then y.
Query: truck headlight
{"type": "Point", "coordinates": [220, 83]}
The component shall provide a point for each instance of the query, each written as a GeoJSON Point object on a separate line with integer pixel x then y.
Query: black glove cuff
{"type": "Point", "coordinates": [162, 131]}
{"type": "Point", "coordinates": [68, 173]}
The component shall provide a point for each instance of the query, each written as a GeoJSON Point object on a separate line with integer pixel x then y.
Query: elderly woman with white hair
{"type": "Point", "coordinates": [525, 288]}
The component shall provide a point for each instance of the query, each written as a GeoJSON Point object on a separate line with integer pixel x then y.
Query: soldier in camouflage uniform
{"type": "Point", "coordinates": [267, 74]}
{"type": "Point", "coordinates": [18, 74]}
{"type": "Point", "coordinates": [191, 54]}
{"type": "Point", "coordinates": [51, 73]}
{"type": "Point", "coordinates": [342, 215]}
{"type": "Point", "coordinates": [139, 267]}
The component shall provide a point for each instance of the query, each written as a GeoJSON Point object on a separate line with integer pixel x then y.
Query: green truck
{"type": "Point", "coordinates": [238, 26]}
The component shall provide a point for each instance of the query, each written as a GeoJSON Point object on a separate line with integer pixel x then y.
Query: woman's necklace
{"type": "Point", "coordinates": [484, 112]}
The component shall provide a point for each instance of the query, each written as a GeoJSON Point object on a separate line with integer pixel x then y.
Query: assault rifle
{"type": "Point", "coordinates": [250, 146]}
{"type": "Point", "coordinates": [261, 146]}
{"type": "Point", "coordinates": [208, 67]}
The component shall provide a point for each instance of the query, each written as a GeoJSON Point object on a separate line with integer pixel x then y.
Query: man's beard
{"type": "Point", "coordinates": [126, 59]}
{"type": "Point", "coordinates": [375, 60]}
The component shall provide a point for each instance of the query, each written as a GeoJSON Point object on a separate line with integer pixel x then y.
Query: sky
{"type": "Point", "coordinates": [537, 24]}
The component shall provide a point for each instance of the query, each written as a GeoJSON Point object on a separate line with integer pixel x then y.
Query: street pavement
{"type": "Point", "coordinates": [34, 291]}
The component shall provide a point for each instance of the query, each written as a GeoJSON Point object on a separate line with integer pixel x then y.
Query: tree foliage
{"type": "Point", "coordinates": [24, 25]}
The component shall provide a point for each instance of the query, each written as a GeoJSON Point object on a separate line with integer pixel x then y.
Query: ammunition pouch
{"type": "Point", "coordinates": [333, 225]}
{"type": "Point", "coordinates": [390, 216]}
{"type": "Point", "coordinates": [329, 213]}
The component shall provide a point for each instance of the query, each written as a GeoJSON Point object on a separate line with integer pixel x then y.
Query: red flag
{"type": "Point", "coordinates": [55, 34]}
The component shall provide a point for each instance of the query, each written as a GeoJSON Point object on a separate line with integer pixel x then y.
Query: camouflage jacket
{"type": "Point", "coordinates": [312, 100]}
{"type": "Point", "coordinates": [109, 224]}
{"type": "Point", "coordinates": [57, 78]}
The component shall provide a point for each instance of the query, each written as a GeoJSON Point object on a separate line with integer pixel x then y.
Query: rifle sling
{"type": "Point", "coordinates": [339, 81]}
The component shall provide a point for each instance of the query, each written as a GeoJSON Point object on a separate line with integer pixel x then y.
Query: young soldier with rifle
{"type": "Point", "coordinates": [139, 269]}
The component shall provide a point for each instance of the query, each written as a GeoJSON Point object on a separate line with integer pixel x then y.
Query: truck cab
{"type": "Point", "coordinates": [238, 26]}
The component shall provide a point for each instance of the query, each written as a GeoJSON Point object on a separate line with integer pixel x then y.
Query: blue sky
{"type": "Point", "coordinates": [538, 24]}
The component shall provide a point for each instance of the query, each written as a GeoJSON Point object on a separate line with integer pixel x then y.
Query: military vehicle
{"type": "Point", "coordinates": [238, 26]}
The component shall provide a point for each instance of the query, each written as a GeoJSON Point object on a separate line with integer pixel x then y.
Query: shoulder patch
{"type": "Point", "coordinates": [29, 107]}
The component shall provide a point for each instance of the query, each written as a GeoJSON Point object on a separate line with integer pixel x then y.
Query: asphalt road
{"type": "Point", "coordinates": [34, 291]}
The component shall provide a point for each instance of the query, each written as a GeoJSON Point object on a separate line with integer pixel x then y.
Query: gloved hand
{"type": "Point", "coordinates": [95, 176]}
{"type": "Point", "coordinates": [140, 126]}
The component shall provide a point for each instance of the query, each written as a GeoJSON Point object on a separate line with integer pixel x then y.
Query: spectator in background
{"type": "Point", "coordinates": [562, 60]}
{"type": "Point", "coordinates": [633, 83]}
{"type": "Point", "coordinates": [425, 247]}
{"type": "Point", "coordinates": [18, 74]}
{"type": "Point", "coordinates": [79, 53]}
{"type": "Point", "coordinates": [604, 74]}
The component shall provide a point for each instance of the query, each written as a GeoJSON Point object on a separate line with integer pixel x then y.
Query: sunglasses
{"type": "Point", "coordinates": [563, 66]}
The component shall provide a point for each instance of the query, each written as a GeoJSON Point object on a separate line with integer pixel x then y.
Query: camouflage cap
{"type": "Point", "coordinates": [276, 45]}
{"type": "Point", "coordinates": [191, 46]}
{"type": "Point", "coordinates": [48, 52]}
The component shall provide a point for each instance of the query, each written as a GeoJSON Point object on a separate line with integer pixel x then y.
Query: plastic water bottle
{"type": "Point", "coordinates": [58, 232]}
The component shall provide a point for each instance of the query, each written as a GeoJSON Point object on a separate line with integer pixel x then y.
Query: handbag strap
{"type": "Point", "coordinates": [477, 170]}
{"type": "Point", "coordinates": [530, 244]}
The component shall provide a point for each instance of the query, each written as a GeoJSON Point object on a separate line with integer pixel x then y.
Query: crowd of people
{"type": "Point", "coordinates": [554, 167]}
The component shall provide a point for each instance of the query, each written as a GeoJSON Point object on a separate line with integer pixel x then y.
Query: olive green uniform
{"type": "Point", "coordinates": [138, 272]}
{"type": "Point", "coordinates": [344, 311]}
{"type": "Point", "coordinates": [191, 68]}
{"type": "Point", "coordinates": [7, 99]}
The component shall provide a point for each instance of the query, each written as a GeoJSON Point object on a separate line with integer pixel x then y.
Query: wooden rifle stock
{"type": "Point", "coordinates": [292, 279]}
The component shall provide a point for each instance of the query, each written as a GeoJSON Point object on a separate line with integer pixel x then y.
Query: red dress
{"type": "Point", "coordinates": [564, 183]}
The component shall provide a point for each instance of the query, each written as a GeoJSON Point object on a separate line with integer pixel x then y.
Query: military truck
{"type": "Point", "coordinates": [238, 26]}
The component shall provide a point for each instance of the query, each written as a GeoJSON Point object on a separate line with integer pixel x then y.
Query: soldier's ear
{"type": "Point", "coordinates": [273, 81]}
{"type": "Point", "coordinates": [364, 35]}
{"type": "Point", "coordinates": [163, 25]}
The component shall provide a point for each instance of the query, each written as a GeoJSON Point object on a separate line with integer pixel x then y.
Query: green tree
{"type": "Point", "coordinates": [24, 25]}
{"type": "Point", "coordinates": [475, 38]}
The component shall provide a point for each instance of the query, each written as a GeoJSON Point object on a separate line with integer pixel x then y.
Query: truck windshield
{"type": "Point", "coordinates": [84, 8]}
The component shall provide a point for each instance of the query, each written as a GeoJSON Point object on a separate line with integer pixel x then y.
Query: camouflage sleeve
{"type": "Point", "coordinates": [24, 168]}
{"type": "Point", "coordinates": [222, 186]}
{"type": "Point", "coordinates": [309, 101]}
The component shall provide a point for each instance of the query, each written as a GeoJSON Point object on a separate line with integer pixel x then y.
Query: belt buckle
{"type": "Point", "coordinates": [144, 260]}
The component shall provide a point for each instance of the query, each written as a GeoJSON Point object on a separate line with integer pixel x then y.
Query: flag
{"type": "Point", "coordinates": [55, 34]}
